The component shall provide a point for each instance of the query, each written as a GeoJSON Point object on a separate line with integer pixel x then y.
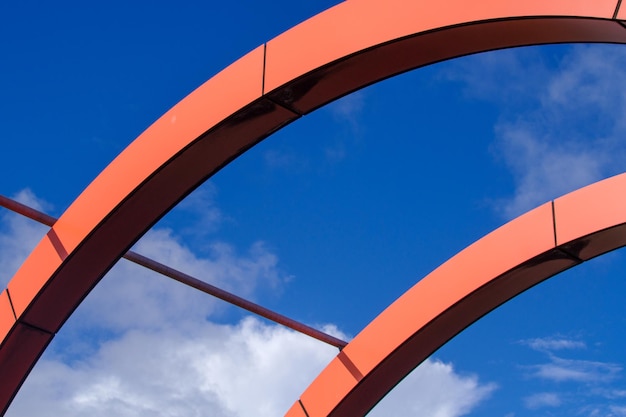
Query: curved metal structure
{"type": "Point", "coordinates": [345, 48]}
{"type": "Point", "coordinates": [537, 245]}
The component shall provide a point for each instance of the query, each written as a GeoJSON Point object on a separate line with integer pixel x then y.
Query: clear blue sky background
{"type": "Point", "coordinates": [327, 221]}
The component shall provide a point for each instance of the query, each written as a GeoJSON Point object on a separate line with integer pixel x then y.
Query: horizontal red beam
{"type": "Point", "coordinates": [188, 280]}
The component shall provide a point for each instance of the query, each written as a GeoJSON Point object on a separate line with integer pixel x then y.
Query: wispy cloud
{"type": "Point", "coordinates": [347, 113]}
{"type": "Point", "coordinates": [550, 344]}
{"type": "Point", "coordinates": [559, 369]}
{"type": "Point", "coordinates": [600, 410]}
{"type": "Point", "coordinates": [617, 411]}
{"type": "Point", "coordinates": [501, 76]}
{"type": "Point", "coordinates": [610, 393]}
{"type": "Point", "coordinates": [576, 386]}
{"type": "Point", "coordinates": [544, 168]}
{"type": "Point", "coordinates": [562, 370]}
{"type": "Point", "coordinates": [349, 108]}
{"type": "Point", "coordinates": [541, 400]}
{"type": "Point", "coordinates": [284, 159]}
{"type": "Point", "coordinates": [562, 125]}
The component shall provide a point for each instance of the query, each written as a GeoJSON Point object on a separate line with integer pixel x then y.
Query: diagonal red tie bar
{"type": "Point", "coordinates": [181, 277]}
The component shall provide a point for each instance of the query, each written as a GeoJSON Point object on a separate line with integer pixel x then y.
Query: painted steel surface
{"type": "Point", "coordinates": [537, 245]}
{"type": "Point", "coordinates": [349, 46]}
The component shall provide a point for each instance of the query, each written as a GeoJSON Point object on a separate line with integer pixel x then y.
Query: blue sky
{"type": "Point", "coordinates": [328, 221]}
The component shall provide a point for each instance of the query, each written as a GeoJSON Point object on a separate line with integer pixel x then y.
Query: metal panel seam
{"type": "Point", "coordinates": [554, 223]}
{"type": "Point", "coordinates": [11, 304]}
{"type": "Point", "coordinates": [303, 409]}
{"type": "Point", "coordinates": [561, 248]}
{"type": "Point", "coordinates": [288, 108]}
{"type": "Point", "coordinates": [263, 74]}
{"type": "Point", "coordinates": [37, 328]}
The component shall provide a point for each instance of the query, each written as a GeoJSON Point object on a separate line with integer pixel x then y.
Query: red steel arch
{"type": "Point", "coordinates": [537, 245]}
{"type": "Point", "coordinates": [347, 47]}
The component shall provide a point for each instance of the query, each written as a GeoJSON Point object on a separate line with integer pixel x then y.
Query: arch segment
{"type": "Point", "coordinates": [537, 245]}
{"type": "Point", "coordinates": [345, 48]}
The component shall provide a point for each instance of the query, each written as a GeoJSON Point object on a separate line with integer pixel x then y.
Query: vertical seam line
{"type": "Point", "coordinates": [619, 2]}
{"type": "Point", "coordinates": [264, 62]}
{"type": "Point", "coordinates": [554, 223]}
{"type": "Point", "coordinates": [11, 304]}
{"type": "Point", "coordinates": [303, 409]}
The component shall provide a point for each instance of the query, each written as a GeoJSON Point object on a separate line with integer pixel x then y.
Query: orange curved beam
{"type": "Point", "coordinates": [535, 246]}
{"type": "Point", "coordinates": [347, 47]}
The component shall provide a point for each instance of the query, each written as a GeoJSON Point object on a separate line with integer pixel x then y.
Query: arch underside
{"type": "Point", "coordinates": [347, 47]}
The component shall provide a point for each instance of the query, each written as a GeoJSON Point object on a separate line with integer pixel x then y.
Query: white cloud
{"type": "Point", "coordinates": [562, 126]}
{"type": "Point", "coordinates": [18, 236]}
{"type": "Point", "coordinates": [552, 344]}
{"type": "Point", "coordinates": [250, 369]}
{"type": "Point", "coordinates": [611, 393]}
{"type": "Point", "coordinates": [222, 265]}
{"type": "Point", "coordinates": [561, 370]}
{"type": "Point", "coordinates": [585, 387]}
{"type": "Point", "coordinates": [601, 410]}
{"type": "Point", "coordinates": [542, 399]}
{"type": "Point", "coordinates": [575, 135]}
{"type": "Point", "coordinates": [617, 411]}
{"type": "Point", "coordinates": [144, 345]}
{"type": "Point", "coordinates": [545, 170]}
{"type": "Point", "coordinates": [434, 389]}
{"type": "Point", "coordinates": [131, 297]}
